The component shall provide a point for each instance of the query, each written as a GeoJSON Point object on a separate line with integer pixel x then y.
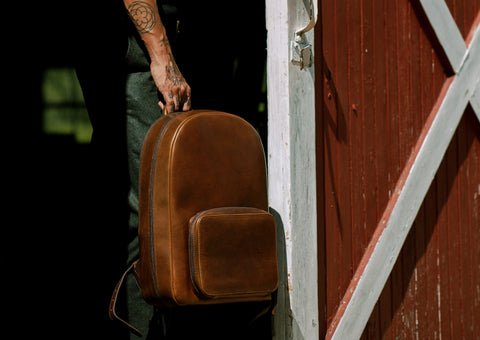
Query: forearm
{"type": "Point", "coordinates": [144, 14]}
{"type": "Point", "coordinates": [166, 75]}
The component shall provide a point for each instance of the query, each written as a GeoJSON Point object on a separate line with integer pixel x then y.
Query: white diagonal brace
{"type": "Point", "coordinates": [446, 30]}
{"type": "Point", "coordinates": [475, 100]}
{"type": "Point", "coordinates": [384, 248]}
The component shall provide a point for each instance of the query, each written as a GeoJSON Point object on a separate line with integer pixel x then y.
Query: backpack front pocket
{"type": "Point", "coordinates": [233, 253]}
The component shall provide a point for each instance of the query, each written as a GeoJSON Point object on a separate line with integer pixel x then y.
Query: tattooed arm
{"type": "Point", "coordinates": [168, 78]}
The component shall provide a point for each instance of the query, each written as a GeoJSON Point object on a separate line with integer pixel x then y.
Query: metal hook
{"type": "Point", "coordinates": [311, 24]}
{"type": "Point", "coordinates": [300, 49]}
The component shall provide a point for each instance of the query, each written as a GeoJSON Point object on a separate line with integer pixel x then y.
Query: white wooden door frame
{"type": "Point", "coordinates": [292, 172]}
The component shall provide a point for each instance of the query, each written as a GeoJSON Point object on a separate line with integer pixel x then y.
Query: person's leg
{"type": "Point", "coordinates": [121, 100]}
{"type": "Point", "coordinates": [142, 111]}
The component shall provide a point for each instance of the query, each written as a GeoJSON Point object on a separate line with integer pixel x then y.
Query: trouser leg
{"type": "Point", "coordinates": [142, 111]}
{"type": "Point", "coordinates": [121, 98]}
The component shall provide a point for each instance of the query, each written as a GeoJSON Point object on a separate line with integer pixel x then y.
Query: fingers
{"type": "Point", "coordinates": [172, 85]}
{"type": "Point", "coordinates": [171, 102]}
{"type": "Point", "coordinates": [179, 101]}
{"type": "Point", "coordinates": [187, 103]}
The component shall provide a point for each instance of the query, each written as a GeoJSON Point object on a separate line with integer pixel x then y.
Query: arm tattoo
{"type": "Point", "coordinates": [143, 16]}
{"type": "Point", "coordinates": [173, 73]}
{"type": "Point", "coordinates": [164, 42]}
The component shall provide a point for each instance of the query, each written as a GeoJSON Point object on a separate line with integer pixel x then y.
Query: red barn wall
{"type": "Point", "coordinates": [379, 71]}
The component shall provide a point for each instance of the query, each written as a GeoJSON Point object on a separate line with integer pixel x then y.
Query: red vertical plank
{"type": "Point", "coordinates": [397, 327]}
{"type": "Point", "coordinates": [420, 274]}
{"type": "Point", "coordinates": [415, 258]}
{"type": "Point", "coordinates": [444, 314]}
{"type": "Point", "coordinates": [399, 118]}
{"type": "Point", "coordinates": [355, 129]}
{"type": "Point", "coordinates": [444, 271]}
{"type": "Point", "coordinates": [369, 113]}
{"type": "Point", "coordinates": [343, 139]}
{"type": "Point", "coordinates": [333, 236]}
{"type": "Point", "coordinates": [470, 9]}
{"type": "Point", "coordinates": [463, 203]}
{"type": "Point", "coordinates": [473, 191]}
{"type": "Point", "coordinates": [454, 230]}
{"type": "Point", "coordinates": [381, 139]}
{"type": "Point", "coordinates": [427, 240]}
{"type": "Point", "coordinates": [407, 139]}
{"type": "Point", "coordinates": [381, 102]}
{"type": "Point", "coordinates": [431, 318]}
{"type": "Point", "coordinates": [460, 18]}
{"type": "Point", "coordinates": [410, 284]}
{"type": "Point", "coordinates": [428, 312]}
{"type": "Point", "coordinates": [415, 109]}
{"type": "Point", "coordinates": [320, 168]}
{"type": "Point", "coordinates": [394, 167]}
{"type": "Point", "coordinates": [392, 93]}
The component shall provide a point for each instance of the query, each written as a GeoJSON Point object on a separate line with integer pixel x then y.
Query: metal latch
{"type": "Point", "coordinates": [300, 49]}
{"type": "Point", "coordinates": [301, 54]}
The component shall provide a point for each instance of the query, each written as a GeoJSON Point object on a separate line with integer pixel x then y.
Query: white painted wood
{"type": "Point", "coordinates": [446, 30]}
{"type": "Point", "coordinates": [278, 148]}
{"type": "Point", "coordinates": [292, 173]}
{"type": "Point", "coordinates": [411, 195]}
{"type": "Point", "coordinates": [475, 101]}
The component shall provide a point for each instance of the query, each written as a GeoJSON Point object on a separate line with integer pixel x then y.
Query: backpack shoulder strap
{"type": "Point", "coordinates": [113, 302]}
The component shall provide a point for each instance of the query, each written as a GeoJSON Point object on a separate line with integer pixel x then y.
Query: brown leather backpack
{"type": "Point", "coordinates": [205, 234]}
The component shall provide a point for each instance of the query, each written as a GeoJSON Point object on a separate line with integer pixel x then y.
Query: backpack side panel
{"type": "Point", "coordinates": [144, 270]}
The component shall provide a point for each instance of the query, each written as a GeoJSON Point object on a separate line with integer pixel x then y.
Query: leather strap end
{"type": "Point", "coordinates": [113, 302]}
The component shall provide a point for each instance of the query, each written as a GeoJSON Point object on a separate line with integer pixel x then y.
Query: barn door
{"type": "Point", "coordinates": [398, 168]}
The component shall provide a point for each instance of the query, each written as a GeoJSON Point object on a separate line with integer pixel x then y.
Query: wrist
{"type": "Point", "coordinates": [158, 48]}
